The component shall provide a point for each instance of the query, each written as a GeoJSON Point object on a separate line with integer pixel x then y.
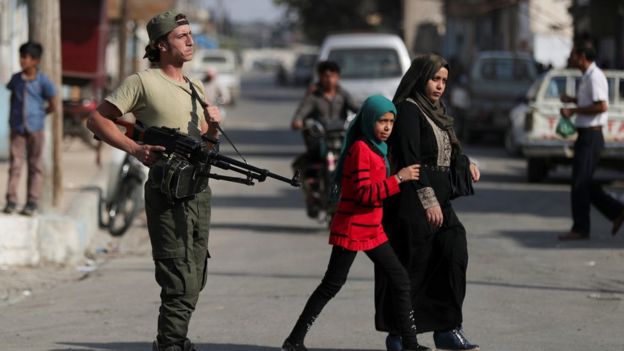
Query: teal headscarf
{"type": "Point", "coordinates": [363, 127]}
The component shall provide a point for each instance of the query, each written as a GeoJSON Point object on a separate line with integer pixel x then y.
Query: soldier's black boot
{"type": "Point", "coordinates": [157, 347]}
{"type": "Point", "coordinates": [188, 346]}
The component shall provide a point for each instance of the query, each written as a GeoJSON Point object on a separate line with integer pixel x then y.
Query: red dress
{"type": "Point", "coordinates": [356, 224]}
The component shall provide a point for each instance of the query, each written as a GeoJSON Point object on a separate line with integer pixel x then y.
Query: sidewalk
{"type": "Point", "coordinates": [60, 235]}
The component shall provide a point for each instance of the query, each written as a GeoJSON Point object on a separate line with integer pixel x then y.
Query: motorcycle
{"type": "Point", "coordinates": [125, 200]}
{"type": "Point", "coordinates": [75, 115]}
{"type": "Point", "coordinates": [317, 166]}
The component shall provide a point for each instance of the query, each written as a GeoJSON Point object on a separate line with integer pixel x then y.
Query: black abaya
{"type": "Point", "coordinates": [436, 260]}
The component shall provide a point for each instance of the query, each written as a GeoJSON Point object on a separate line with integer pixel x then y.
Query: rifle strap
{"type": "Point", "coordinates": [204, 105]}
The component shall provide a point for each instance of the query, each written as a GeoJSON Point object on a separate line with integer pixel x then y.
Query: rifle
{"type": "Point", "coordinates": [198, 154]}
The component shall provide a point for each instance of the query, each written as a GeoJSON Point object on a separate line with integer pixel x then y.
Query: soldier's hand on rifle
{"type": "Point", "coordinates": [213, 117]}
{"type": "Point", "coordinates": [147, 154]}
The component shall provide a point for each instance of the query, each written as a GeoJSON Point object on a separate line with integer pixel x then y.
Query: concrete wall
{"type": "Point", "coordinates": [421, 18]}
{"type": "Point", "coordinates": [13, 32]}
{"type": "Point", "coordinates": [4, 123]}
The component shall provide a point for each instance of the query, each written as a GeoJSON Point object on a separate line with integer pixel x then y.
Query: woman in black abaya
{"type": "Point", "coordinates": [420, 222]}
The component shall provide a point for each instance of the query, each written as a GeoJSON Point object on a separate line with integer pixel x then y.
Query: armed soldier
{"type": "Point", "coordinates": [178, 228]}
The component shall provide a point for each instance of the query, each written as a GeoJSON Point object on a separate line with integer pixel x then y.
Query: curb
{"type": "Point", "coordinates": [53, 238]}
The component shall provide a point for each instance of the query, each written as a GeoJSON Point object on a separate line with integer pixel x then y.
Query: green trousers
{"type": "Point", "coordinates": [179, 236]}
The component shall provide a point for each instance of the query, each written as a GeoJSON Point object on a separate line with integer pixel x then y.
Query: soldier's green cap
{"type": "Point", "coordinates": [164, 23]}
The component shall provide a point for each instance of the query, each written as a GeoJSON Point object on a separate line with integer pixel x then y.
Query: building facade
{"type": "Point", "coordinates": [602, 23]}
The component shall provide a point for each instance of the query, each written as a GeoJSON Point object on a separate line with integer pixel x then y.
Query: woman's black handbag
{"type": "Point", "coordinates": [461, 179]}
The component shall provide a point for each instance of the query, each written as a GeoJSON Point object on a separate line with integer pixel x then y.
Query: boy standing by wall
{"type": "Point", "coordinates": [30, 90]}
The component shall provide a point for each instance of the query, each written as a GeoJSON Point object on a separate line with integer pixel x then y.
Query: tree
{"type": "Point", "coordinates": [321, 17]}
{"type": "Point", "coordinates": [44, 26]}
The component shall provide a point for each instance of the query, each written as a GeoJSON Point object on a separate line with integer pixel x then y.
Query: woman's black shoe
{"type": "Point", "coordinates": [453, 340]}
{"type": "Point", "coordinates": [292, 346]}
{"type": "Point", "coordinates": [394, 343]}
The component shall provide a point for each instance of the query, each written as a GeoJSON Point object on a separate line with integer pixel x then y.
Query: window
{"type": "Point", "coordinates": [214, 59]}
{"type": "Point", "coordinates": [556, 87]}
{"type": "Point", "coordinates": [610, 83]}
{"type": "Point", "coordinates": [531, 94]}
{"type": "Point", "coordinates": [507, 69]}
{"type": "Point", "coordinates": [367, 63]}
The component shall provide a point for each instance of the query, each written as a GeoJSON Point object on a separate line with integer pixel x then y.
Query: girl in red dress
{"type": "Point", "coordinates": [363, 181]}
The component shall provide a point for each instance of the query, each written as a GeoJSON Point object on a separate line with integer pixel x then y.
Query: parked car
{"type": "Point", "coordinates": [497, 80]}
{"type": "Point", "coordinates": [369, 63]}
{"type": "Point", "coordinates": [304, 68]}
{"type": "Point", "coordinates": [535, 119]}
{"type": "Point", "coordinates": [224, 62]}
{"type": "Point", "coordinates": [299, 72]}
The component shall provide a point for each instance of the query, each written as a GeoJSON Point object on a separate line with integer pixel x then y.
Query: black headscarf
{"type": "Point", "coordinates": [413, 84]}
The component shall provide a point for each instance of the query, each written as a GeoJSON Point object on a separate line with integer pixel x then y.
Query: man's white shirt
{"type": "Point", "coordinates": [592, 88]}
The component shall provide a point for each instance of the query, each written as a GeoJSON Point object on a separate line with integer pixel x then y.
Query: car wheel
{"type": "Point", "coordinates": [537, 170]}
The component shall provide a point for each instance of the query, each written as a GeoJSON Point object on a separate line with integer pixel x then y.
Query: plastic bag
{"type": "Point", "coordinates": [565, 127]}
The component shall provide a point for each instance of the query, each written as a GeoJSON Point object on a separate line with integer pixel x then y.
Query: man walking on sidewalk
{"type": "Point", "coordinates": [591, 115]}
{"type": "Point", "coordinates": [178, 228]}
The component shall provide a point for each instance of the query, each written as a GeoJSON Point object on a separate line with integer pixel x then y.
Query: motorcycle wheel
{"type": "Point", "coordinates": [125, 207]}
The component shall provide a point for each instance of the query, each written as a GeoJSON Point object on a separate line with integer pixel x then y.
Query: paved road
{"type": "Point", "coordinates": [526, 291]}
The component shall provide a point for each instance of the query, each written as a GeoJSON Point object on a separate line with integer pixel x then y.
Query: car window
{"type": "Point", "coordinates": [366, 63]}
{"type": "Point", "coordinates": [531, 94]}
{"type": "Point", "coordinates": [306, 60]}
{"type": "Point", "coordinates": [556, 87]}
{"type": "Point", "coordinates": [221, 63]}
{"type": "Point", "coordinates": [621, 91]}
{"type": "Point", "coordinates": [610, 83]}
{"type": "Point", "coordinates": [507, 69]}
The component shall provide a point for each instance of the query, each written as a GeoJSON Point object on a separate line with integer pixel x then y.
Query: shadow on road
{"type": "Point", "coordinates": [142, 346]}
{"type": "Point", "coordinates": [284, 276]}
{"type": "Point", "coordinates": [286, 198]}
{"type": "Point", "coordinates": [273, 136]}
{"type": "Point", "coordinates": [270, 228]}
{"type": "Point", "coordinates": [548, 240]}
{"type": "Point", "coordinates": [249, 154]}
{"type": "Point", "coordinates": [546, 287]}
{"type": "Point", "coordinates": [516, 201]}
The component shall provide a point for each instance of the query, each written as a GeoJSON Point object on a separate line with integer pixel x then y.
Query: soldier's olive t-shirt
{"type": "Point", "coordinates": [159, 101]}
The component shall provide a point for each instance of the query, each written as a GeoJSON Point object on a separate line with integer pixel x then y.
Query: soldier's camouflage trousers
{"type": "Point", "coordinates": [179, 235]}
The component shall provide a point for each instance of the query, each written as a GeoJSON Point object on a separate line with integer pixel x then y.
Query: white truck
{"type": "Point", "coordinates": [533, 123]}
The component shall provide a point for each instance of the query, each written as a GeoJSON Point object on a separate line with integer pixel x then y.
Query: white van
{"type": "Point", "coordinates": [369, 63]}
{"type": "Point", "coordinates": [224, 62]}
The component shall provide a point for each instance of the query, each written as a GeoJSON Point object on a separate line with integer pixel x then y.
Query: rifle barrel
{"type": "Point", "coordinates": [262, 172]}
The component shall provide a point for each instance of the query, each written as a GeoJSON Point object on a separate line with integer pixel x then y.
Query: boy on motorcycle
{"type": "Point", "coordinates": [327, 103]}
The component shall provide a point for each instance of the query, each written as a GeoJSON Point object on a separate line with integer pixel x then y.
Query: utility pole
{"type": "Point", "coordinates": [123, 40]}
{"type": "Point", "coordinates": [44, 27]}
